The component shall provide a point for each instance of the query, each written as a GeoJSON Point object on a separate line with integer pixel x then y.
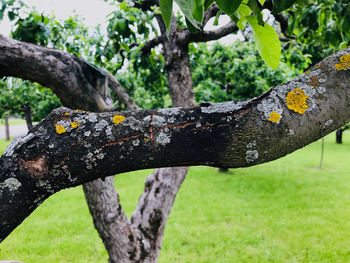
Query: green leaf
{"type": "Point", "coordinates": [166, 6]}
{"type": "Point", "coordinates": [190, 26]}
{"type": "Point", "coordinates": [187, 7]}
{"type": "Point", "coordinates": [256, 10]}
{"type": "Point", "coordinates": [123, 5]}
{"type": "Point", "coordinates": [198, 10]}
{"type": "Point", "coordinates": [228, 6]}
{"type": "Point", "coordinates": [262, 2]}
{"type": "Point", "coordinates": [281, 5]}
{"type": "Point", "coordinates": [243, 11]}
{"type": "Point", "coordinates": [216, 21]}
{"type": "Point", "coordinates": [266, 41]}
{"type": "Point", "coordinates": [208, 3]}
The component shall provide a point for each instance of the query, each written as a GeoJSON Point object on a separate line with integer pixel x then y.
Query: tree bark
{"type": "Point", "coordinates": [339, 136]}
{"type": "Point", "coordinates": [57, 153]}
{"type": "Point", "coordinates": [28, 116]}
{"type": "Point", "coordinates": [7, 128]}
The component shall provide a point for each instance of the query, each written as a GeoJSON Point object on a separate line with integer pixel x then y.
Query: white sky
{"type": "Point", "coordinates": [94, 12]}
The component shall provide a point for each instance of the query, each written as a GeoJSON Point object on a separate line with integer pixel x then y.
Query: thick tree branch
{"type": "Point", "coordinates": [70, 147]}
{"type": "Point", "coordinates": [204, 36]}
{"type": "Point", "coordinates": [68, 76]}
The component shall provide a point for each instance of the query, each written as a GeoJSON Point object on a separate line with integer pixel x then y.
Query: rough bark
{"type": "Point", "coordinates": [223, 134]}
{"type": "Point", "coordinates": [28, 116]}
{"type": "Point", "coordinates": [339, 136]}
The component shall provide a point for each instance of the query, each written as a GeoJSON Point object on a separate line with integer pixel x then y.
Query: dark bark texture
{"type": "Point", "coordinates": [57, 154]}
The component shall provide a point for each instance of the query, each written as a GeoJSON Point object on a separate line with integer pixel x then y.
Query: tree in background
{"type": "Point", "coordinates": [27, 100]}
{"type": "Point", "coordinates": [226, 135]}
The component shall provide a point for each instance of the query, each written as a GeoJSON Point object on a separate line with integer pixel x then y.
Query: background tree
{"type": "Point", "coordinates": [27, 100]}
{"type": "Point", "coordinates": [140, 238]}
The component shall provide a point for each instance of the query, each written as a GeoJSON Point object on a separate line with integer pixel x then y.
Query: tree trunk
{"type": "Point", "coordinates": [28, 116]}
{"type": "Point", "coordinates": [339, 136]}
{"type": "Point", "coordinates": [7, 129]}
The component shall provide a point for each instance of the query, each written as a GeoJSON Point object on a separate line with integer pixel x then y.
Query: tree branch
{"type": "Point", "coordinates": [66, 75]}
{"type": "Point", "coordinates": [152, 43]}
{"type": "Point", "coordinates": [209, 13]}
{"type": "Point", "coordinates": [70, 147]}
{"type": "Point", "coordinates": [204, 36]}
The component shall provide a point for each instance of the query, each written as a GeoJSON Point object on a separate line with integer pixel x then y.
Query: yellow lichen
{"type": "Point", "coordinates": [146, 140]}
{"type": "Point", "coordinates": [344, 62]}
{"type": "Point", "coordinates": [296, 101]}
{"type": "Point", "coordinates": [74, 124]}
{"type": "Point", "coordinates": [60, 129]}
{"type": "Point", "coordinates": [319, 65]}
{"type": "Point", "coordinates": [274, 117]}
{"type": "Point", "coordinates": [308, 72]}
{"type": "Point", "coordinates": [67, 114]}
{"type": "Point", "coordinates": [118, 119]}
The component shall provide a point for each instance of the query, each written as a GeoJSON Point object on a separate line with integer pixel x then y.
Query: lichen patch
{"type": "Point", "coordinates": [118, 119]}
{"type": "Point", "coordinates": [269, 105]}
{"type": "Point", "coordinates": [12, 184]}
{"type": "Point", "coordinates": [223, 107]}
{"type": "Point", "coordinates": [274, 117]}
{"type": "Point", "coordinates": [163, 138]}
{"type": "Point", "coordinates": [251, 156]}
{"type": "Point", "coordinates": [60, 129]}
{"type": "Point", "coordinates": [296, 100]}
{"type": "Point", "coordinates": [344, 62]}
{"type": "Point", "coordinates": [329, 122]}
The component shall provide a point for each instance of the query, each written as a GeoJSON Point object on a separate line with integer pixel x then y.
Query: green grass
{"type": "Point", "coordinates": [283, 211]}
{"type": "Point", "coordinates": [13, 122]}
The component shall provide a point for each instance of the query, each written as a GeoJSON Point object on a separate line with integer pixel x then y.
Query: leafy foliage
{"type": "Point", "coordinates": [240, 12]}
{"type": "Point", "coordinates": [16, 94]}
{"type": "Point", "coordinates": [222, 73]}
{"type": "Point", "coordinates": [321, 27]}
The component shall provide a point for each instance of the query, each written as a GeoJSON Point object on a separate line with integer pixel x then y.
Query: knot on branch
{"type": "Point", "coordinates": [36, 168]}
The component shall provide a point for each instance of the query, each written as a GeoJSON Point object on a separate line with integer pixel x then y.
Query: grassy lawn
{"type": "Point", "coordinates": [13, 122]}
{"type": "Point", "coordinates": [283, 211]}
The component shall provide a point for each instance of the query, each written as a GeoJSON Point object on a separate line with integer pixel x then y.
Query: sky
{"type": "Point", "coordinates": [94, 12]}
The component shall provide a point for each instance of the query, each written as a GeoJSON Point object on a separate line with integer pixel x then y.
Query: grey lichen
{"type": "Point", "coordinates": [156, 121]}
{"type": "Point", "coordinates": [136, 142]}
{"type": "Point", "coordinates": [321, 90]}
{"type": "Point", "coordinates": [101, 125]}
{"type": "Point", "coordinates": [134, 124]}
{"type": "Point", "coordinates": [92, 117]}
{"type": "Point", "coordinates": [170, 112]}
{"type": "Point", "coordinates": [12, 184]}
{"type": "Point", "coordinates": [329, 122]}
{"type": "Point", "coordinates": [223, 107]}
{"type": "Point", "coordinates": [162, 138]}
{"type": "Point", "coordinates": [271, 105]}
{"type": "Point", "coordinates": [290, 132]}
{"type": "Point", "coordinates": [251, 144]}
{"type": "Point", "coordinates": [251, 156]}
